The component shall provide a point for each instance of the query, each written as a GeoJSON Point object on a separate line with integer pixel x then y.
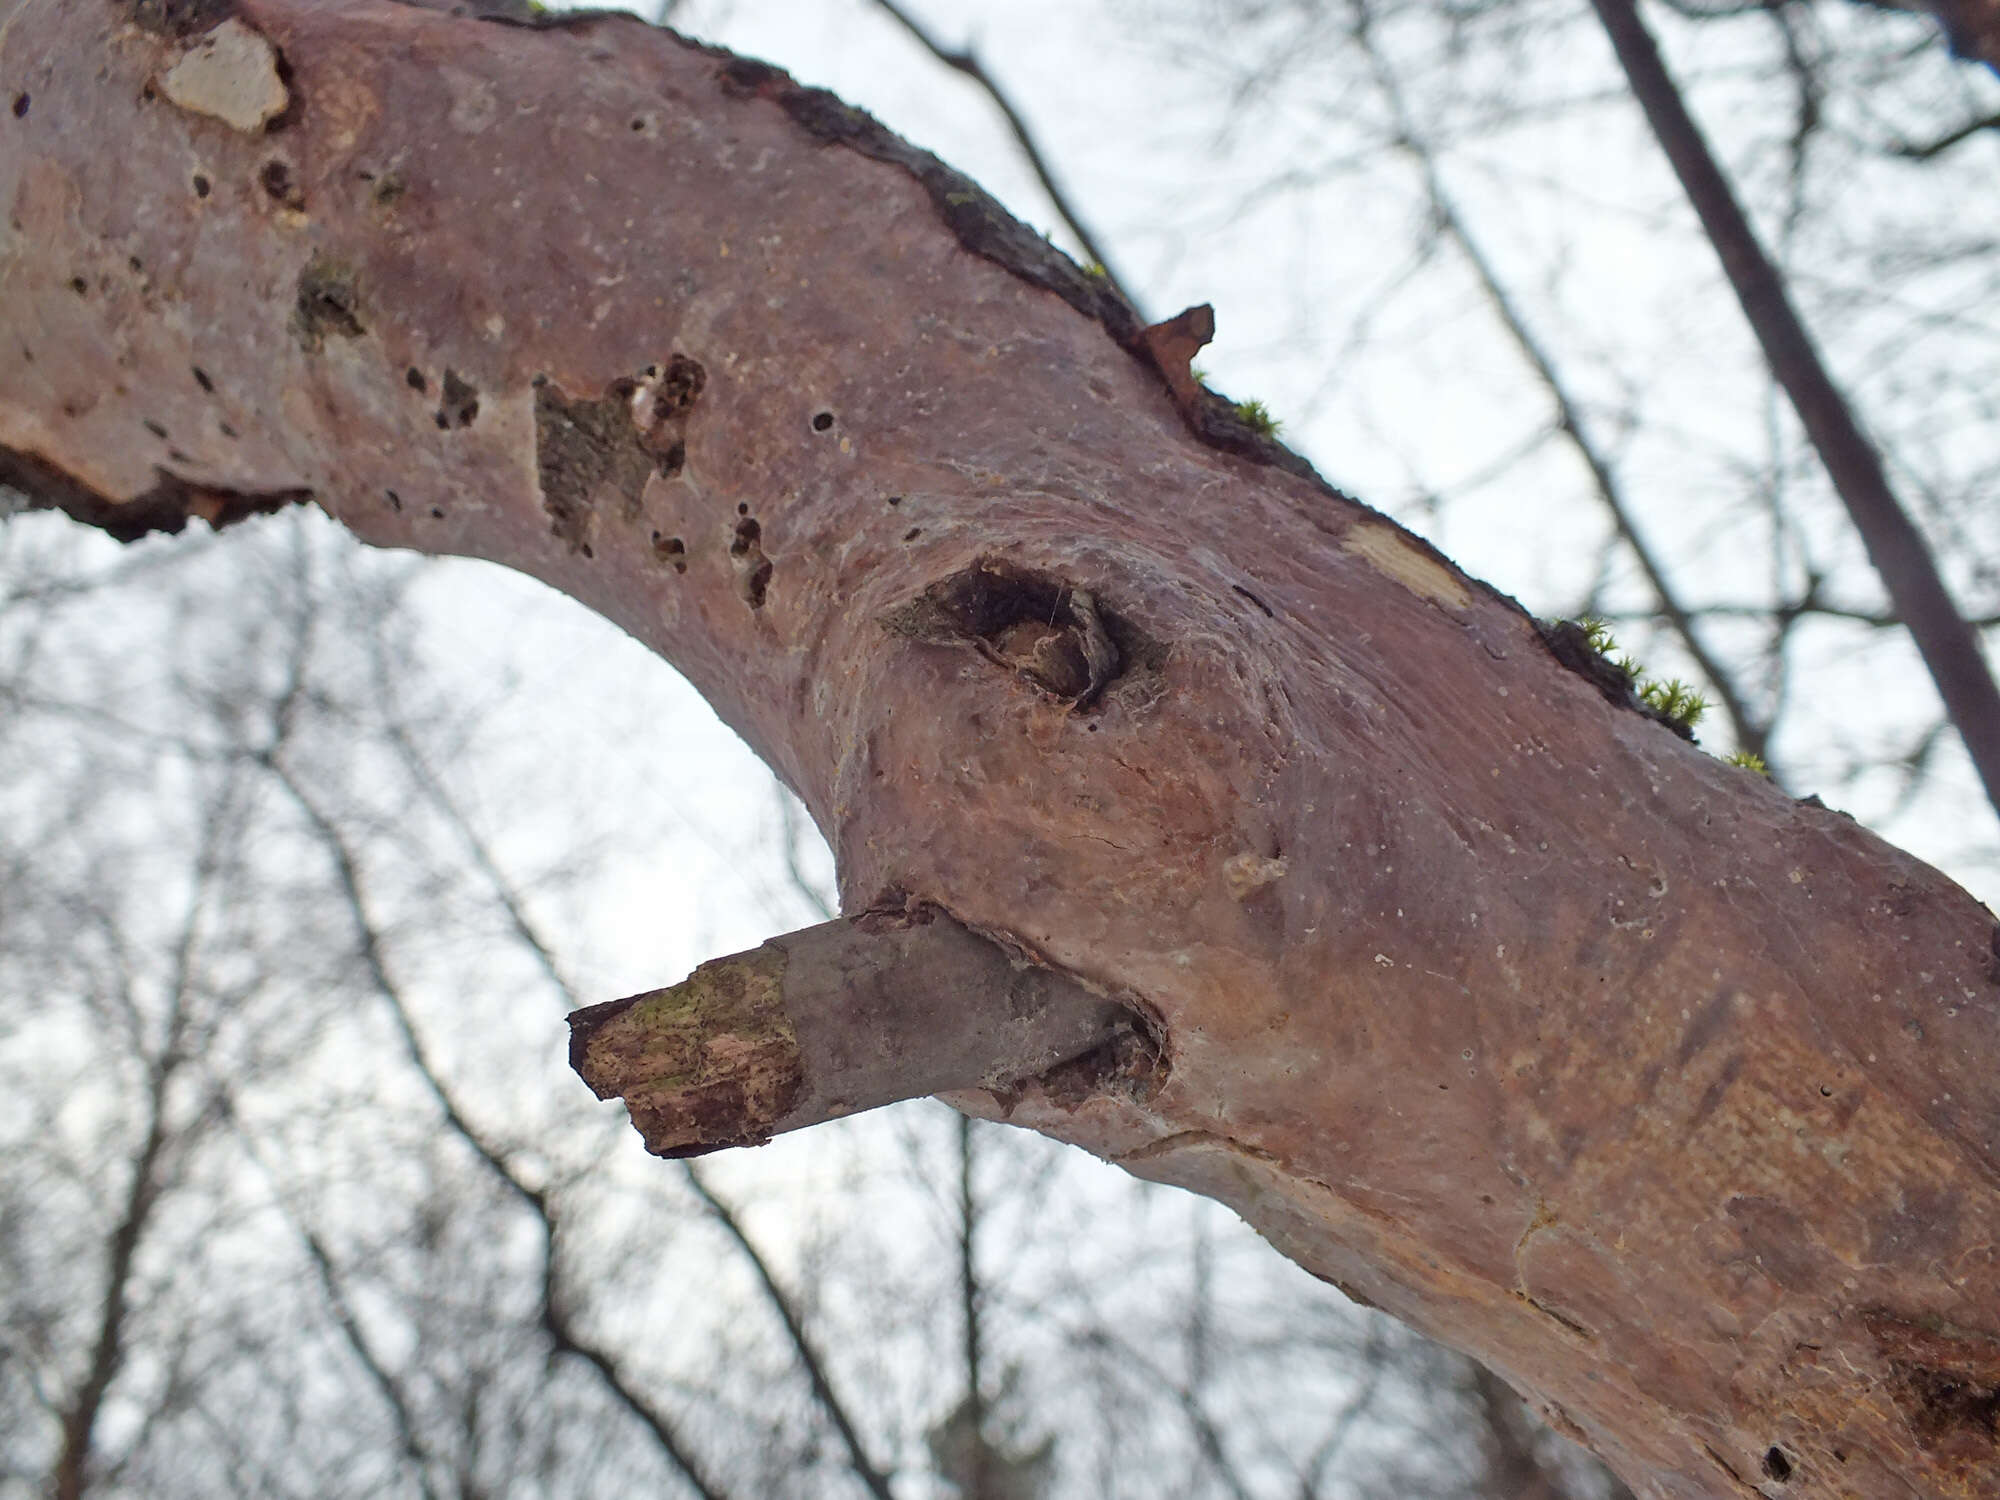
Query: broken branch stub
{"type": "Point", "coordinates": [828, 1021]}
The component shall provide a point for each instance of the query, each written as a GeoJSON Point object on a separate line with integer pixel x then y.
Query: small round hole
{"type": "Point", "coordinates": [437, 513]}
{"type": "Point", "coordinates": [200, 186]}
{"type": "Point", "coordinates": [1777, 1465]}
{"type": "Point", "coordinates": [20, 106]}
{"type": "Point", "coordinates": [822, 421]}
{"type": "Point", "coordinates": [414, 379]}
{"type": "Point", "coordinates": [895, 499]}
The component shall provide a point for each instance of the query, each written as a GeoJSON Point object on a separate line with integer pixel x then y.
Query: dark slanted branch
{"type": "Point", "coordinates": [1674, 1100]}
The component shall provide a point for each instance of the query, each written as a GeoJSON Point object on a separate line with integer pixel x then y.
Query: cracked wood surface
{"type": "Point", "coordinates": [1674, 1100]}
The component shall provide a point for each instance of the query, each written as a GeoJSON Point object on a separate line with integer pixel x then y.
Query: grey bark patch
{"type": "Point", "coordinates": [233, 74]}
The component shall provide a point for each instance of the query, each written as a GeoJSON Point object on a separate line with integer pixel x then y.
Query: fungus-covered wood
{"type": "Point", "coordinates": [829, 1020]}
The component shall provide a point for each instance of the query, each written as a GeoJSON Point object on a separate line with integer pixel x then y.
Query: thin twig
{"type": "Point", "coordinates": [407, 1435]}
{"type": "Point", "coordinates": [969, 1311]}
{"type": "Point", "coordinates": [1912, 151]}
{"type": "Point", "coordinates": [963, 60]}
{"type": "Point", "coordinates": [555, 1317]}
{"type": "Point", "coordinates": [809, 1355]}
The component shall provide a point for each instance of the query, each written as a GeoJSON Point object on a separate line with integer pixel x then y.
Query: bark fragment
{"type": "Point", "coordinates": [231, 74]}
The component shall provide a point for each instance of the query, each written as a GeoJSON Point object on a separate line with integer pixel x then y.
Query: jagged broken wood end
{"type": "Point", "coordinates": [828, 1021]}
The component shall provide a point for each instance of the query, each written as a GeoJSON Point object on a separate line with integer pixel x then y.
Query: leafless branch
{"type": "Point", "coordinates": [1938, 145]}
{"type": "Point", "coordinates": [963, 60]}
{"type": "Point", "coordinates": [810, 1358]}
{"type": "Point", "coordinates": [1950, 649]}
{"type": "Point", "coordinates": [143, 1190]}
{"type": "Point", "coordinates": [331, 1288]}
{"type": "Point", "coordinates": [555, 1315]}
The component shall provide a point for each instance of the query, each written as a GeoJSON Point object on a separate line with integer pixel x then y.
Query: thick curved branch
{"type": "Point", "coordinates": [1668, 1097]}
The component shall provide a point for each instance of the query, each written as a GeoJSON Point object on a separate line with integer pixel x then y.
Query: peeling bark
{"type": "Point", "coordinates": [1672, 1099]}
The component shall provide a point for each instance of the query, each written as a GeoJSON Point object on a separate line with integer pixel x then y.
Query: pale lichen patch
{"type": "Point", "coordinates": [230, 75]}
{"type": "Point", "coordinates": [1248, 873]}
{"type": "Point", "coordinates": [1396, 556]}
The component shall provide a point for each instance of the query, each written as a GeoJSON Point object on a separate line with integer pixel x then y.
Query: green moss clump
{"type": "Point", "coordinates": [1257, 415]}
{"type": "Point", "coordinates": [1677, 701]}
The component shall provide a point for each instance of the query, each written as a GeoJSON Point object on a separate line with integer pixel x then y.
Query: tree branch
{"type": "Point", "coordinates": [829, 1021]}
{"type": "Point", "coordinates": [555, 1313]}
{"type": "Point", "coordinates": [1951, 651]}
{"type": "Point", "coordinates": [809, 1355]}
{"type": "Point", "coordinates": [1472, 991]}
{"type": "Point", "coordinates": [1938, 145]}
{"type": "Point", "coordinates": [964, 60]}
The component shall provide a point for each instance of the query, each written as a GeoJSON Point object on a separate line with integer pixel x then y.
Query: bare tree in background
{"type": "Point", "coordinates": [238, 1265]}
